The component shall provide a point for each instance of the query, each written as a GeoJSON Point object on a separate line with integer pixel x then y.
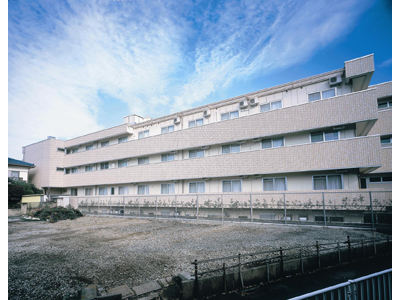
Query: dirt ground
{"type": "Point", "coordinates": [50, 261]}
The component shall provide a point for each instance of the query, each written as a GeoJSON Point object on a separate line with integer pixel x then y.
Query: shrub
{"type": "Point", "coordinates": [15, 193]}
{"type": "Point", "coordinates": [55, 214]}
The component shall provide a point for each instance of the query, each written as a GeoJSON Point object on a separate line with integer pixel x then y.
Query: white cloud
{"type": "Point", "coordinates": [150, 55]}
{"type": "Point", "coordinates": [385, 63]}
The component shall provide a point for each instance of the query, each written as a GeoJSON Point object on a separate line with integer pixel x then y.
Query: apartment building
{"type": "Point", "coordinates": [328, 132]}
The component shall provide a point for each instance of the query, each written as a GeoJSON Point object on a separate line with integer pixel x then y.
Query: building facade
{"type": "Point", "coordinates": [18, 170]}
{"type": "Point", "coordinates": [330, 132]}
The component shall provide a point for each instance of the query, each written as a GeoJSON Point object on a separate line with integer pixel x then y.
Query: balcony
{"type": "Point", "coordinates": [362, 152]}
{"type": "Point", "coordinates": [359, 108]}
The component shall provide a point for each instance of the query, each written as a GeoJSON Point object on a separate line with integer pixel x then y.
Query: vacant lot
{"type": "Point", "coordinates": [47, 261]}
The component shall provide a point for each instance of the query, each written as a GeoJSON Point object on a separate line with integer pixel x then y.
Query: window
{"type": "Point", "coordinates": [123, 190]}
{"type": "Point", "coordinates": [167, 188]}
{"type": "Point", "coordinates": [67, 171]}
{"type": "Point", "coordinates": [167, 129]}
{"type": "Point", "coordinates": [386, 140]}
{"type": "Point", "coordinates": [88, 191]}
{"type": "Point", "coordinates": [112, 191]}
{"type": "Point", "coordinates": [88, 168]}
{"type": "Point", "coordinates": [197, 187]}
{"type": "Point", "coordinates": [385, 102]}
{"type": "Point", "coordinates": [61, 149]}
{"type": "Point", "coordinates": [122, 163]}
{"type": "Point", "coordinates": [322, 95]}
{"type": "Point", "coordinates": [327, 182]}
{"type": "Point", "coordinates": [276, 105]}
{"type": "Point", "coordinates": [265, 107]}
{"type": "Point", "coordinates": [143, 189]}
{"type": "Point", "coordinates": [271, 106]}
{"type": "Point", "coordinates": [195, 123]}
{"type": "Point", "coordinates": [324, 136]}
{"type": "Point", "coordinates": [74, 170]}
{"type": "Point", "coordinates": [231, 186]}
{"type": "Point", "coordinates": [230, 115]}
{"type": "Point", "coordinates": [104, 166]}
{"type": "Point", "coordinates": [380, 179]}
{"type": "Point", "coordinates": [230, 149]}
{"type": "Point", "coordinates": [196, 153]}
{"type": "Point", "coordinates": [143, 160]}
{"type": "Point", "coordinates": [143, 134]}
{"type": "Point", "coordinates": [272, 143]}
{"type": "Point", "coordinates": [274, 184]}
{"type": "Point", "coordinates": [167, 157]}
{"type": "Point", "coordinates": [74, 192]}
{"type": "Point", "coordinates": [104, 144]}
{"type": "Point", "coordinates": [89, 147]}
{"type": "Point", "coordinates": [14, 174]}
{"type": "Point", "coordinates": [122, 139]}
{"type": "Point", "coordinates": [102, 191]}
{"type": "Point", "coordinates": [70, 151]}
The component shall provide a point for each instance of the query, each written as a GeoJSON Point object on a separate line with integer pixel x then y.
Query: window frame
{"type": "Point", "coordinates": [230, 148]}
{"type": "Point", "coordinates": [124, 163]}
{"type": "Point", "coordinates": [125, 187]}
{"type": "Point", "coordinates": [168, 129]}
{"type": "Point", "coordinates": [320, 94]}
{"type": "Point", "coordinates": [195, 122]}
{"type": "Point", "coordinates": [197, 190]}
{"type": "Point", "coordinates": [123, 139]}
{"type": "Point", "coordinates": [323, 136]}
{"type": "Point", "coordinates": [272, 142]}
{"type": "Point", "coordinates": [167, 155]}
{"type": "Point", "coordinates": [89, 190]}
{"type": "Point", "coordinates": [386, 136]}
{"type": "Point", "coordinates": [146, 190]}
{"type": "Point", "coordinates": [104, 189]}
{"type": "Point", "coordinates": [273, 178]}
{"type": "Point", "coordinates": [104, 165]}
{"type": "Point", "coordinates": [74, 170]}
{"type": "Point", "coordinates": [146, 162]}
{"type": "Point", "coordinates": [144, 134]}
{"type": "Point", "coordinates": [381, 180]}
{"type": "Point", "coordinates": [229, 115]}
{"type": "Point", "coordinates": [89, 168]}
{"type": "Point", "coordinates": [326, 178]}
{"type": "Point", "coordinates": [104, 144]}
{"type": "Point", "coordinates": [195, 151]}
{"type": "Point", "coordinates": [89, 147]}
{"type": "Point", "coordinates": [241, 185]}
{"type": "Point", "coordinates": [169, 184]}
{"type": "Point", "coordinates": [387, 102]}
{"type": "Point", "coordinates": [75, 190]}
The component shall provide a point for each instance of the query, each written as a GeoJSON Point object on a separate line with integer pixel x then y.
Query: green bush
{"type": "Point", "coordinates": [55, 214]}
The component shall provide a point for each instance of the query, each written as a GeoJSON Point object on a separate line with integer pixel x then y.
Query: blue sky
{"type": "Point", "coordinates": [76, 67]}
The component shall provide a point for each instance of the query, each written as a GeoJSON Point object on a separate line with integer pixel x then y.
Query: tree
{"type": "Point", "coordinates": [18, 188]}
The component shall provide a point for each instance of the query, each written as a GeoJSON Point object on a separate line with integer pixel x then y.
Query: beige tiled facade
{"type": "Point", "coordinates": [289, 123]}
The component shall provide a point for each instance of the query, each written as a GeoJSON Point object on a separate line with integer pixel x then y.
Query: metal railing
{"type": "Point", "coordinates": [218, 266]}
{"type": "Point", "coordinates": [374, 286]}
{"type": "Point", "coordinates": [323, 208]}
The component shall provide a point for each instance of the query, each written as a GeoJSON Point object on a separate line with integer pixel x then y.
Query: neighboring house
{"type": "Point", "coordinates": [329, 132]}
{"type": "Point", "coordinates": [18, 169]}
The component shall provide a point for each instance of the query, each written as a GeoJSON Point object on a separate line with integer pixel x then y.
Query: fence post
{"type": "Point", "coordinates": [224, 270]}
{"type": "Point", "coordinates": [301, 261]}
{"type": "Point", "coordinates": [251, 208]}
{"type": "Point", "coordinates": [372, 210]}
{"type": "Point", "coordinates": [222, 209]}
{"type": "Point", "coordinates": [284, 206]}
{"type": "Point", "coordinates": [240, 273]}
{"type": "Point", "coordinates": [338, 249]}
{"type": "Point", "coordinates": [318, 257]}
{"type": "Point", "coordinates": [156, 205]}
{"type": "Point", "coordinates": [176, 209]}
{"type": "Point", "coordinates": [196, 278]}
{"type": "Point", "coordinates": [323, 204]}
{"type": "Point", "coordinates": [349, 247]}
{"type": "Point", "coordinates": [281, 258]}
{"type": "Point", "coordinates": [197, 206]}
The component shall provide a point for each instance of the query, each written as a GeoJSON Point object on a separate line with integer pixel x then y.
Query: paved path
{"type": "Point", "coordinates": [300, 285]}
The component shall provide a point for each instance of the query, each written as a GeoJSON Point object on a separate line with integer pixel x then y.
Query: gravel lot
{"type": "Point", "coordinates": [48, 261]}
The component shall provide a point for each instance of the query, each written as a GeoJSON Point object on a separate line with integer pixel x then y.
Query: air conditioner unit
{"type": "Point", "coordinates": [336, 80]}
{"type": "Point", "coordinates": [243, 104]}
{"type": "Point", "coordinates": [205, 147]}
{"type": "Point", "coordinates": [177, 120]}
{"type": "Point", "coordinates": [241, 142]}
{"type": "Point", "coordinates": [207, 113]}
{"type": "Point", "coordinates": [254, 101]}
{"type": "Point", "coordinates": [256, 140]}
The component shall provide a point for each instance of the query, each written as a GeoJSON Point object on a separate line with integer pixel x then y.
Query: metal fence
{"type": "Point", "coordinates": [374, 286]}
{"type": "Point", "coordinates": [367, 208]}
